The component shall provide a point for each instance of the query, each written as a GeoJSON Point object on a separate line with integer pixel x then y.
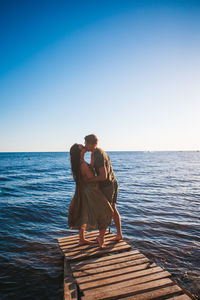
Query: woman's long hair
{"type": "Point", "coordinates": [75, 162]}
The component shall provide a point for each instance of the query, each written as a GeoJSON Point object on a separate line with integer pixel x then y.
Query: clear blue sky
{"type": "Point", "coordinates": [128, 71]}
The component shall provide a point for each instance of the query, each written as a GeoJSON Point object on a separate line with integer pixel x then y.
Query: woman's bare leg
{"type": "Point", "coordinates": [82, 240]}
{"type": "Point", "coordinates": [100, 237]}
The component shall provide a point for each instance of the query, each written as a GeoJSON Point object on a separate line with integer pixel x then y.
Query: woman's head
{"type": "Point", "coordinates": [75, 153]}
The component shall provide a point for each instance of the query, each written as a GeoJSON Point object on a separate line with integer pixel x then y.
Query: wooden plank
{"type": "Point", "coordinates": [92, 238]}
{"type": "Point", "coordinates": [127, 291]}
{"type": "Point", "coordinates": [70, 286]}
{"type": "Point", "coordinates": [115, 273]}
{"type": "Point", "coordinates": [110, 257]}
{"type": "Point", "coordinates": [121, 278]}
{"type": "Point", "coordinates": [180, 297]}
{"type": "Point", "coordinates": [110, 267]}
{"type": "Point", "coordinates": [160, 293]}
{"type": "Point", "coordinates": [107, 262]}
{"type": "Point", "coordinates": [129, 283]}
{"type": "Point", "coordinates": [87, 235]}
{"type": "Point", "coordinates": [77, 247]}
{"type": "Point", "coordinates": [77, 255]}
{"type": "Point", "coordinates": [76, 236]}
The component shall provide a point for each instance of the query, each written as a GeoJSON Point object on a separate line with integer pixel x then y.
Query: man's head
{"type": "Point", "coordinates": [91, 142]}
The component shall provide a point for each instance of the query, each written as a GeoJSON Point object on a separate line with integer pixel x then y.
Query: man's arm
{"type": "Point", "coordinates": [101, 177]}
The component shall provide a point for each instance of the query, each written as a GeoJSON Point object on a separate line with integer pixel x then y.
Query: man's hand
{"type": "Point", "coordinates": [101, 177]}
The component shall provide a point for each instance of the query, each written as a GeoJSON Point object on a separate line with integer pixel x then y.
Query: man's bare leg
{"type": "Point", "coordinates": [117, 221]}
{"type": "Point", "coordinates": [82, 240]}
{"type": "Point", "coordinates": [100, 237]}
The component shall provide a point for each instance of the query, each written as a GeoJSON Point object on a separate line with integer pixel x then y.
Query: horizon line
{"type": "Point", "coordinates": [58, 151]}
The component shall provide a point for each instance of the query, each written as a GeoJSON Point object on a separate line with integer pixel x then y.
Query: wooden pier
{"type": "Point", "coordinates": [115, 272]}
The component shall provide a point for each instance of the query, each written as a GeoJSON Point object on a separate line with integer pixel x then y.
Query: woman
{"type": "Point", "coordinates": [89, 208]}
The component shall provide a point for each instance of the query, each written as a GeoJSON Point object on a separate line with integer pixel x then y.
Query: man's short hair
{"type": "Point", "coordinates": [91, 139]}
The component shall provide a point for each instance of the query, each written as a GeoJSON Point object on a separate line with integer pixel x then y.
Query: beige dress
{"type": "Point", "coordinates": [89, 208]}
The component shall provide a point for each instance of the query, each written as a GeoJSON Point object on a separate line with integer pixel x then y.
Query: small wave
{"type": "Point", "coordinates": [3, 194]}
{"type": "Point", "coordinates": [40, 170]}
{"type": "Point", "coordinates": [7, 189]}
{"type": "Point", "coordinates": [4, 179]}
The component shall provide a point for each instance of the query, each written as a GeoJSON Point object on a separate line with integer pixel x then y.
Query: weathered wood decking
{"type": "Point", "coordinates": [115, 272]}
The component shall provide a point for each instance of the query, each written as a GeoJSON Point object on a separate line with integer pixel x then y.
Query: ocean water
{"type": "Point", "coordinates": [159, 204]}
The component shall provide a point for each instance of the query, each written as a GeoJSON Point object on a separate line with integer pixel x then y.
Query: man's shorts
{"type": "Point", "coordinates": [111, 191]}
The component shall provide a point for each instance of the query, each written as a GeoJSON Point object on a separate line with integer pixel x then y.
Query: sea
{"type": "Point", "coordinates": [158, 200]}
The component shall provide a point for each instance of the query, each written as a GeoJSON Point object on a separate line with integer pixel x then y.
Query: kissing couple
{"type": "Point", "coordinates": [94, 202]}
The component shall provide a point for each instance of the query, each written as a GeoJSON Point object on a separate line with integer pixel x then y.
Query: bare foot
{"type": "Point", "coordinates": [117, 238]}
{"type": "Point", "coordinates": [84, 242]}
{"type": "Point", "coordinates": [100, 241]}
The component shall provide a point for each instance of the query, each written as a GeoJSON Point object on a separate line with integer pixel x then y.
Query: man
{"type": "Point", "coordinates": [105, 176]}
